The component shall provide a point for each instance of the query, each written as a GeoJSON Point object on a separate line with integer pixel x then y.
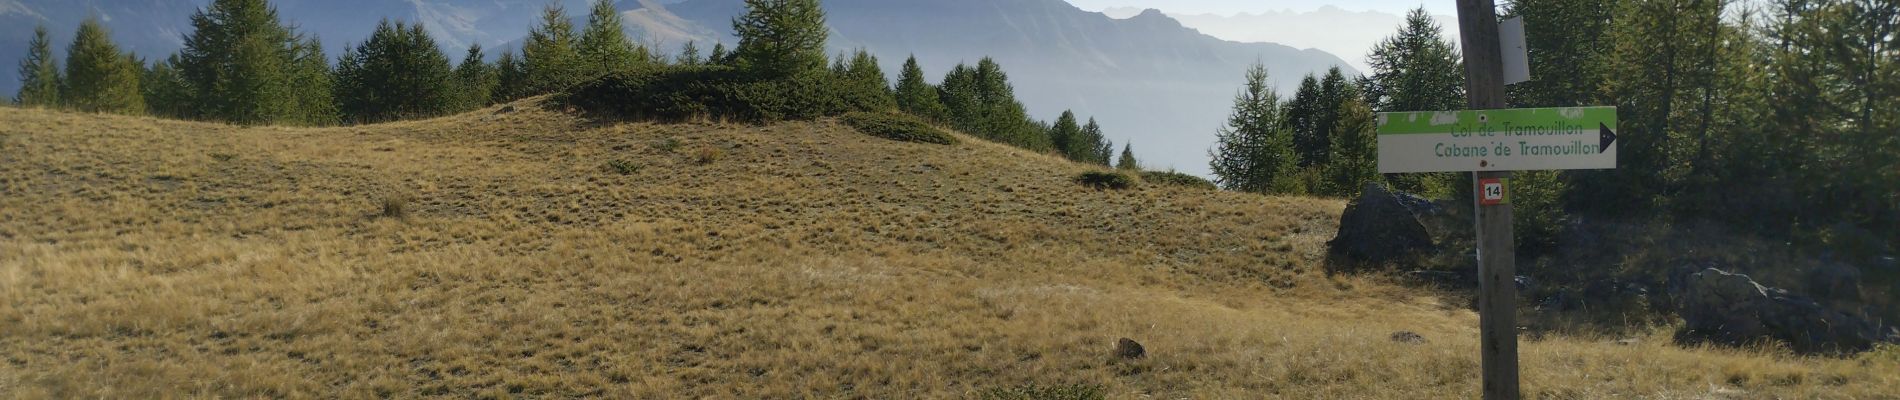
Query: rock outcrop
{"type": "Point", "coordinates": [1381, 226]}
{"type": "Point", "coordinates": [1727, 308]}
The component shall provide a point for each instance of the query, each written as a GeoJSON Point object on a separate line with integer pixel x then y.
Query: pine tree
{"type": "Point", "coordinates": [1254, 152]}
{"type": "Point", "coordinates": [869, 87]}
{"type": "Point", "coordinates": [719, 56]}
{"type": "Point", "coordinates": [1567, 51]}
{"type": "Point", "coordinates": [1334, 91]}
{"type": "Point", "coordinates": [1418, 70]}
{"type": "Point", "coordinates": [236, 63]}
{"type": "Point", "coordinates": [916, 96]}
{"type": "Point", "coordinates": [398, 73]}
{"type": "Point", "coordinates": [312, 85]}
{"type": "Point", "coordinates": [1097, 146]}
{"type": "Point", "coordinates": [1066, 135]}
{"type": "Point", "coordinates": [604, 45]}
{"type": "Point", "coordinates": [1127, 161]}
{"type": "Point", "coordinates": [1302, 118]}
{"type": "Point", "coordinates": [780, 38]}
{"type": "Point", "coordinates": [1353, 150]}
{"type": "Point", "coordinates": [550, 56]}
{"type": "Point", "coordinates": [963, 105]}
{"type": "Point", "coordinates": [164, 89]}
{"type": "Point", "coordinates": [99, 78]}
{"type": "Point", "coordinates": [689, 55]}
{"type": "Point", "coordinates": [475, 80]}
{"type": "Point", "coordinates": [511, 78]}
{"type": "Point", "coordinates": [39, 73]}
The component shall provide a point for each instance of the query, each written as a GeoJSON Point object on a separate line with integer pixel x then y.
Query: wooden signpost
{"type": "Point", "coordinates": [1490, 142]}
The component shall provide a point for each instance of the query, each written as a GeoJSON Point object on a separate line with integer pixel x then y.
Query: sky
{"type": "Point", "coordinates": [1346, 28]}
{"type": "Point", "coordinates": [1228, 7]}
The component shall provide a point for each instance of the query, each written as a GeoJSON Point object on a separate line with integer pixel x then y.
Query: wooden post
{"type": "Point", "coordinates": [1497, 275]}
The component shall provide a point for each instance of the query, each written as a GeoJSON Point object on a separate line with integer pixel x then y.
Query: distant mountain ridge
{"type": "Point", "coordinates": [1147, 78]}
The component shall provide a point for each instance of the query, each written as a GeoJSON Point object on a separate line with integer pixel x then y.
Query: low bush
{"type": "Point", "coordinates": [1176, 179]}
{"type": "Point", "coordinates": [623, 167]}
{"type": "Point", "coordinates": [395, 206]}
{"type": "Point", "coordinates": [896, 126]}
{"type": "Point", "coordinates": [1105, 180]}
{"type": "Point", "coordinates": [1035, 392]}
{"type": "Point", "coordinates": [706, 155]}
{"type": "Point", "coordinates": [680, 93]}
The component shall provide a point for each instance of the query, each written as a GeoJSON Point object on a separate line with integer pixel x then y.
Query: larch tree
{"type": "Point", "coordinates": [780, 38]}
{"type": "Point", "coordinates": [39, 72]}
{"type": "Point", "coordinates": [1254, 151]}
{"type": "Point", "coordinates": [99, 78]}
{"type": "Point", "coordinates": [917, 96]}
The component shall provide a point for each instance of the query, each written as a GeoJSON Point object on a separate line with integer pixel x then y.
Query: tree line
{"type": "Point", "coordinates": [242, 64]}
{"type": "Point", "coordinates": [1777, 117]}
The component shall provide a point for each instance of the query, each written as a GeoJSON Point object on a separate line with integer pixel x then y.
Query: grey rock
{"type": "Point", "coordinates": [1381, 226]}
{"type": "Point", "coordinates": [1725, 308]}
{"type": "Point", "coordinates": [1128, 349]}
{"type": "Point", "coordinates": [1408, 337]}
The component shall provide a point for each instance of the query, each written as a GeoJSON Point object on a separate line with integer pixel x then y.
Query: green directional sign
{"type": "Point", "coordinates": [1498, 140]}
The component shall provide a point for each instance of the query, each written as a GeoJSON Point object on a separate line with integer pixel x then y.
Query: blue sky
{"type": "Point", "coordinates": [1447, 7]}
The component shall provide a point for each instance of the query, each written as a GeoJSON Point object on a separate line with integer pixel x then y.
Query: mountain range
{"type": "Point", "coordinates": [1146, 78]}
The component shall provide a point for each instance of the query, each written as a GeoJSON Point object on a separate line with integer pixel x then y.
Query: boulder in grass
{"type": "Point", "coordinates": [1381, 226]}
{"type": "Point", "coordinates": [1128, 349]}
{"type": "Point", "coordinates": [1727, 308]}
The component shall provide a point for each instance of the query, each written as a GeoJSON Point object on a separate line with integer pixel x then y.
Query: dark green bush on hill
{"type": "Point", "coordinates": [720, 92]}
{"type": "Point", "coordinates": [899, 127]}
{"type": "Point", "coordinates": [1176, 179]}
{"type": "Point", "coordinates": [1105, 180]}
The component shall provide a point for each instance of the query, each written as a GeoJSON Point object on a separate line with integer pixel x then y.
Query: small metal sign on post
{"type": "Point", "coordinates": [1490, 142]}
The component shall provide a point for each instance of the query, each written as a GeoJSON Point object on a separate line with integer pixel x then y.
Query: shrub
{"type": "Point", "coordinates": [1176, 179]}
{"type": "Point", "coordinates": [679, 93]}
{"type": "Point", "coordinates": [667, 146]}
{"type": "Point", "coordinates": [1105, 180]}
{"type": "Point", "coordinates": [1034, 392]}
{"type": "Point", "coordinates": [707, 155]}
{"type": "Point", "coordinates": [395, 206]}
{"type": "Point", "coordinates": [899, 127]}
{"type": "Point", "coordinates": [623, 167]}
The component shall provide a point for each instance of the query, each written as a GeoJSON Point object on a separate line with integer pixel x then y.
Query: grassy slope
{"type": "Point", "coordinates": [143, 258]}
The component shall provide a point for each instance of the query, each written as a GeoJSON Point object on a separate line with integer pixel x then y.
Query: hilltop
{"type": "Point", "coordinates": [522, 251]}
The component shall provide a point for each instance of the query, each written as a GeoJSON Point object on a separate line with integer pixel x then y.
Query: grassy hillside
{"type": "Point", "coordinates": [528, 253]}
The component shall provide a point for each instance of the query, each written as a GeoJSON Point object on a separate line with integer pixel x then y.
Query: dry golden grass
{"type": "Point", "coordinates": [142, 258]}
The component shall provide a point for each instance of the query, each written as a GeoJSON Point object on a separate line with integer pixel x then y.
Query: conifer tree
{"type": "Point", "coordinates": [1127, 161]}
{"type": "Point", "coordinates": [867, 82]}
{"type": "Point", "coordinates": [236, 63]}
{"type": "Point", "coordinates": [1302, 118]}
{"type": "Point", "coordinates": [1418, 70]}
{"type": "Point", "coordinates": [916, 96]}
{"type": "Point", "coordinates": [475, 80]}
{"type": "Point", "coordinates": [98, 77]}
{"type": "Point", "coordinates": [164, 89]}
{"type": "Point", "coordinates": [1254, 151]}
{"type": "Point", "coordinates": [604, 45]}
{"type": "Point", "coordinates": [1066, 135]}
{"type": "Point", "coordinates": [689, 55]}
{"type": "Point", "coordinates": [1334, 91]}
{"type": "Point", "coordinates": [719, 56]}
{"type": "Point", "coordinates": [511, 78]}
{"type": "Point", "coordinates": [1353, 150]}
{"type": "Point", "coordinates": [1098, 147]}
{"type": "Point", "coordinates": [39, 73]}
{"type": "Point", "coordinates": [780, 38]}
{"type": "Point", "coordinates": [312, 85]}
{"type": "Point", "coordinates": [398, 73]}
{"type": "Point", "coordinates": [549, 55]}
